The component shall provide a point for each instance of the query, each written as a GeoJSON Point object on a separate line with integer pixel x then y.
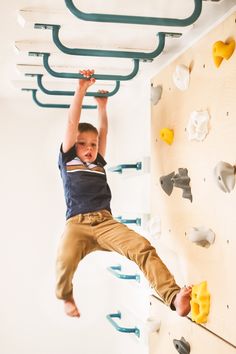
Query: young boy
{"type": "Point", "coordinates": [90, 225]}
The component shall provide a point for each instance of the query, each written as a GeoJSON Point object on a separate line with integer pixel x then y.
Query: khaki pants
{"type": "Point", "coordinates": [85, 233]}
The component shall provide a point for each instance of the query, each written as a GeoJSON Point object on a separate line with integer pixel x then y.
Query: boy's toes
{"type": "Point", "coordinates": [71, 309]}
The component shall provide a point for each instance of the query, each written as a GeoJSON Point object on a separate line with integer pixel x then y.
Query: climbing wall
{"type": "Point", "coordinates": [213, 90]}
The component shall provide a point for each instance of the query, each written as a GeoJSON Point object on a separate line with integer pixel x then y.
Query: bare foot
{"type": "Point", "coordinates": [182, 301]}
{"type": "Point", "coordinates": [71, 308]}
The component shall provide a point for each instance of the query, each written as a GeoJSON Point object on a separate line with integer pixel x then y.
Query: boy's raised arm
{"type": "Point", "coordinates": [75, 109]}
{"type": "Point", "coordinates": [102, 123]}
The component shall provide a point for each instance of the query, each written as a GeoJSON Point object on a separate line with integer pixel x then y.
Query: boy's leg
{"type": "Point", "coordinates": [115, 236]}
{"type": "Point", "coordinates": [77, 241]}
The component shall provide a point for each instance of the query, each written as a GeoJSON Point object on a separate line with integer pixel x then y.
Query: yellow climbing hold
{"type": "Point", "coordinates": [222, 51]}
{"type": "Point", "coordinates": [167, 135]}
{"type": "Point", "coordinates": [200, 303]}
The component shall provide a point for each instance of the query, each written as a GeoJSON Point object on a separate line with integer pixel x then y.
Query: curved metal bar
{"type": "Point", "coordinates": [79, 76]}
{"type": "Point", "coordinates": [71, 93]}
{"type": "Point", "coordinates": [53, 105]}
{"type": "Point", "coordinates": [138, 20]}
{"type": "Point", "coordinates": [134, 330]}
{"type": "Point", "coordinates": [106, 53]}
{"type": "Point", "coordinates": [115, 270]}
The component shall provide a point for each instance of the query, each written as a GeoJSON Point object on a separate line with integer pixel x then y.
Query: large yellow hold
{"type": "Point", "coordinates": [200, 303]}
{"type": "Point", "coordinates": [222, 51]}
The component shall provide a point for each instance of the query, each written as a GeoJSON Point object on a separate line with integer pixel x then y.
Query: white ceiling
{"type": "Point", "coordinates": [83, 34]}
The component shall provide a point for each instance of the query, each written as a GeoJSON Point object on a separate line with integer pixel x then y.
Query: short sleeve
{"type": "Point", "coordinates": [100, 160]}
{"type": "Point", "coordinates": [69, 155]}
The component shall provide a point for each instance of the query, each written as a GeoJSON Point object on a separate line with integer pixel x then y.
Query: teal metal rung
{"type": "Point", "coordinates": [121, 167]}
{"type": "Point", "coordinates": [106, 53]}
{"type": "Point", "coordinates": [79, 76]}
{"type": "Point", "coordinates": [53, 105]}
{"type": "Point", "coordinates": [138, 20]}
{"type": "Point", "coordinates": [116, 271]}
{"type": "Point", "coordinates": [136, 221]}
{"type": "Point", "coordinates": [71, 93]}
{"type": "Point", "coordinates": [111, 317]}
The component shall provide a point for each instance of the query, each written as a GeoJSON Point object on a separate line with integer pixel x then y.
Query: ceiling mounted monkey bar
{"type": "Point", "coordinates": [106, 53]}
{"type": "Point", "coordinates": [79, 76]}
{"type": "Point", "coordinates": [138, 20]}
{"type": "Point", "coordinates": [53, 105]}
{"type": "Point", "coordinates": [41, 86]}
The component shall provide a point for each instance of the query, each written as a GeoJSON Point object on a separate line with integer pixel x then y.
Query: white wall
{"type": "Point", "coordinates": [32, 220]}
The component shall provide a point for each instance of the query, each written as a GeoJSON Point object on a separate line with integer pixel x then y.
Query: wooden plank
{"type": "Point", "coordinates": [174, 327]}
{"type": "Point", "coordinates": [27, 17]}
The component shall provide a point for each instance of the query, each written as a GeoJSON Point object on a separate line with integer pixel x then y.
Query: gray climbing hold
{"type": "Point", "coordinates": [167, 183]}
{"type": "Point", "coordinates": [179, 180]}
{"type": "Point", "coordinates": [225, 176]}
{"type": "Point", "coordinates": [202, 236]}
{"type": "Point", "coordinates": [182, 180]}
{"type": "Point", "coordinates": [182, 346]}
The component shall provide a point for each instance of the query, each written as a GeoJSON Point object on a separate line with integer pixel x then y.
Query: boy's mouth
{"type": "Point", "coordinates": [88, 156]}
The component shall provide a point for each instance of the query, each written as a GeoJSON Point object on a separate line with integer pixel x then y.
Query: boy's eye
{"type": "Point", "coordinates": [94, 145]}
{"type": "Point", "coordinates": [81, 143]}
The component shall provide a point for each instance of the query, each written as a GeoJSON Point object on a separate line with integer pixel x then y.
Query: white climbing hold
{"type": "Point", "coordinates": [154, 227]}
{"type": "Point", "coordinates": [202, 236]}
{"type": "Point", "coordinates": [156, 92]}
{"type": "Point", "coordinates": [181, 77]}
{"type": "Point", "coordinates": [153, 324]}
{"type": "Point", "coordinates": [224, 174]}
{"type": "Point", "coordinates": [197, 127]}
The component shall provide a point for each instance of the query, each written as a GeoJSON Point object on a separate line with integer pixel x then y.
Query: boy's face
{"type": "Point", "coordinates": [87, 146]}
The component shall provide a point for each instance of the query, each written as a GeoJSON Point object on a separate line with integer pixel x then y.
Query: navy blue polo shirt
{"type": "Point", "coordinates": [85, 185]}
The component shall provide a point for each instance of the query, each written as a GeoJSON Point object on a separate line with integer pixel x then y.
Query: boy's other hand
{"type": "Point", "coordinates": [101, 101]}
